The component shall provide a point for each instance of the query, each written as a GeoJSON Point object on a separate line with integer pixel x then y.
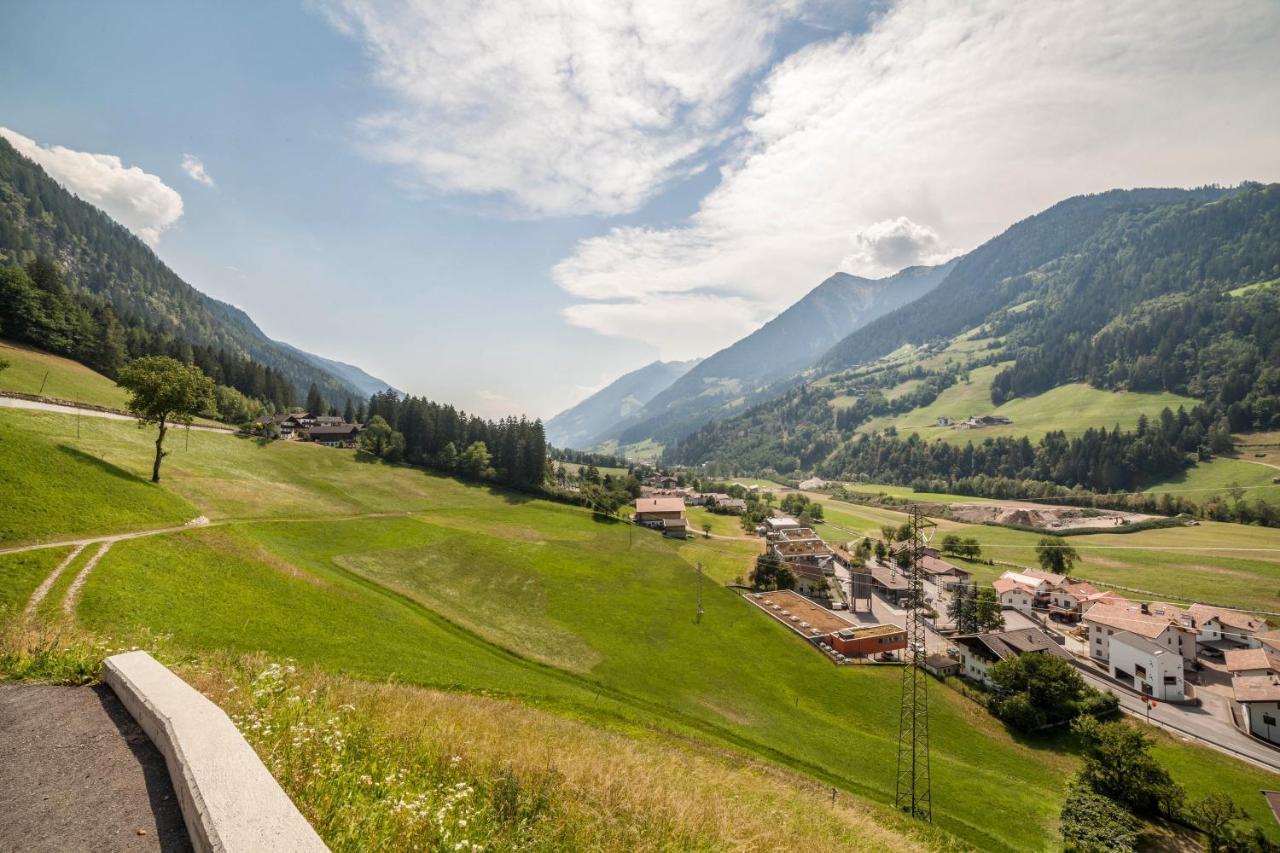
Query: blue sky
{"type": "Point", "coordinates": [506, 205]}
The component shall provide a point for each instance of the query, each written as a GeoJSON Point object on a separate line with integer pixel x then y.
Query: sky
{"type": "Point", "coordinates": [506, 205]}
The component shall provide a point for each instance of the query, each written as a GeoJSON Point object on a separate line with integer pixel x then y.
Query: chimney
{"type": "Point", "coordinates": [1146, 608]}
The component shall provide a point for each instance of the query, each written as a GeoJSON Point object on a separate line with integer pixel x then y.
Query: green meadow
{"type": "Point", "coordinates": [31, 371]}
{"type": "Point", "coordinates": [1071, 408]}
{"type": "Point", "coordinates": [379, 572]}
{"type": "Point", "coordinates": [1219, 476]}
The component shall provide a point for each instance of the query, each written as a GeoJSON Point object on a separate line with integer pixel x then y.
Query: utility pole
{"type": "Point", "coordinates": [914, 795]}
{"type": "Point", "coordinates": [699, 593]}
{"type": "Point", "coordinates": [40, 393]}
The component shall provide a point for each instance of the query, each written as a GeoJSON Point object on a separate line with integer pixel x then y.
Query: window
{"type": "Point", "coordinates": [1170, 680]}
{"type": "Point", "coordinates": [1110, 632]}
{"type": "Point", "coordinates": [1140, 671]}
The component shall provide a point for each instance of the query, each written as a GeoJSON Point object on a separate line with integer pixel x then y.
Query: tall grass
{"type": "Point", "coordinates": [395, 767]}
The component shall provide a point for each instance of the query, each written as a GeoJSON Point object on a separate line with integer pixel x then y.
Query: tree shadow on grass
{"type": "Point", "coordinates": [101, 464]}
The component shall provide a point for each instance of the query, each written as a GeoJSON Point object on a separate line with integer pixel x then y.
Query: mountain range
{"type": "Point", "coordinates": [105, 264]}
{"type": "Point", "coordinates": [753, 367]}
{"type": "Point", "coordinates": [588, 423]}
{"type": "Point", "coordinates": [1067, 295]}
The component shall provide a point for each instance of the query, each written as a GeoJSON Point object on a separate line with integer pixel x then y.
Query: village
{"type": "Point", "coordinates": [325, 430]}
{"type": "Point", "coordinates": [1209, 671]}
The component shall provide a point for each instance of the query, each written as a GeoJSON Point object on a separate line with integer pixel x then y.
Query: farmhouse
{"type": "Point", "coordinates": [736, 506]}
{"type": "Point", "coordinates": [1217, 624]}
{"type": "Point", "coordinates": [665, 514]}
{"type": "Point", "coordinates": [1069, 602]}
{"type": "Point", "coordinates": [1116, 622]}
{"type": "Point", "coordinates": [290, 424]}
{"type": "Point", "coordinates": [980, 652]}
{"type": "Point", "coordinates": [979, 421]}
{"type": "Point", "coordinates": [336, 435]}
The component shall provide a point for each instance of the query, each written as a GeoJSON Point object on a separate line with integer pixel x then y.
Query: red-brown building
{"type": "Point", "coordinates": [871, 640]}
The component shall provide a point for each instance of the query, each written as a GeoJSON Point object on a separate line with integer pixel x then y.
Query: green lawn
{"type": "Point", "coordinates": [1071, 408]}
{"type": "Point", "coordinates": [54, 485]}
{"type": "Point", "coordinates": [721, 525]}
{"type": "Point", "coordinates": [21, 573]}
{"type": "Point", "coordinates": [1216, 476]}
{"type": "Point", "coordinates": [468, 588]}
{"type": "Point", "coordinates": [61, 378]}
{"type": "Point", "coordinates": [573, 468]}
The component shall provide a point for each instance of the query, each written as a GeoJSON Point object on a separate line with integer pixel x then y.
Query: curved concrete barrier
{"type": "Point", "coordinates": [230, 802]}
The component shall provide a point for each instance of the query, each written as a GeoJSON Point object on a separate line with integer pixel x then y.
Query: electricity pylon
{"type": "Point", "coordinates": [913, 789]}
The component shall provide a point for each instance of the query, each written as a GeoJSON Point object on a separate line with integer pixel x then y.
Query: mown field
{"type": "Point", "coordinates": [1221, 476]}
{"type": "Point", "coordinates": [1070, 408]}
{"type": "Point", "coordinates": [34, 372]}
{"type": "Point", "coordinates": [384, 573]}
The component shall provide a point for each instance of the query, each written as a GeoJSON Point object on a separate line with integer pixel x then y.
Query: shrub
{"type": "Point", "coordinates": [1092, 823]}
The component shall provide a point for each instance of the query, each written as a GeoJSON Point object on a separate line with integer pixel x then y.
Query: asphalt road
{"type": "Point", "coordinates": [77, 773]}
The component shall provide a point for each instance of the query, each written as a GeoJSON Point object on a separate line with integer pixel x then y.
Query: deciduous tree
{"type": "Point", "coordinates": [164, 391]}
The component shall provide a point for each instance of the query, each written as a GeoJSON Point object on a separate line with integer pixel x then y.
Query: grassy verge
{"type": "Point", "coordinates": [31, 371]}
{"type": "Point", "coordinates": [413, 769]}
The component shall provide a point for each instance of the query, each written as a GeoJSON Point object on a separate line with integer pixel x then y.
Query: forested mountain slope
{"type": "Point", "coordinates": [103, 264]}
{"type": "Point", "coordinates": [775, 353]}
{"type": "Point", "coordinates": [1148, 290]}
{"type": "Point", "coordinates": [587, 423]}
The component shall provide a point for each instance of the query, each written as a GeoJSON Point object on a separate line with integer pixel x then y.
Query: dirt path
{"type": "Point", "coordinates": [38, 406]}
{"type": "Point", "coordinates": [202, 521]}
{"type": "Point", "coordinates": [47, 583]}
{"type": "Point", "coordinates": [77, 773]}
{"type": "Point", "coordinates": [73, 592]}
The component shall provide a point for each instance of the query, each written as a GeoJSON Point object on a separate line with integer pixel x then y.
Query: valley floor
{"type": "Point", "coordinates": [390, 589]}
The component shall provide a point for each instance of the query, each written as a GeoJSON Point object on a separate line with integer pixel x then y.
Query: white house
{"type": "Point", "coordinates": [1260, 697]}
{"type": "Point", "coordinates": [1106, 619]}
{"type": "Point", "coordinates": [1216, 624]}
{"type": "Point", "coordinates": [1015, 593]}
{"type": "Point", "coordinates": [1150, 668]}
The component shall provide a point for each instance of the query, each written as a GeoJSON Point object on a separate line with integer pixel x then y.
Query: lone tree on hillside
{"type": "Point", "coordinates": [164, 391]}
{"type": "Point", "coordinates": [1056, 555]}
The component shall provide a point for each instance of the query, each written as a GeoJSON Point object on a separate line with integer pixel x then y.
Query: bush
{"type": "Point", "coordinates": [1092, 823]}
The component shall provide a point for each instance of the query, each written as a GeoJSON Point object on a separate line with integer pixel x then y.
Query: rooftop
{"type": "Point", "coordinates": [1004, 644]}
{"type": "Point", "coordinates": [1134, 641]}
{"type": "Point", "coordinates": [659, 505]}
{"type": "Point", "coordinates": [1127, 616]}
{"type": "Point", "coordinates": [332, 429]}
{"type": "Point", "coordinates": [802, 549]}
{"type": "Point", "coordinates": [1227, 618]}
{"type": "Point", "coordinates": [1257, 688]}
{"type": "Point", "coordinates": [785, 604]}
{"type": "Point", "coordinates": [1240, 660]}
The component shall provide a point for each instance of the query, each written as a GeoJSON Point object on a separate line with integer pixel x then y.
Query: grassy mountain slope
{"type": "Point", "coordinates": [1142, 291]}
{"type": "Point", "coordinates": [101, 258]}
{"type": "Point", "coordinates": [377, 571]}
{"type": "Point", "coordinates": [585, 424]}
{"type": "Point", "coordinates": [774, 353]}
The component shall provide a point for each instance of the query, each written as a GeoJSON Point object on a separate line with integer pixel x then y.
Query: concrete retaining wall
{"type": "Point", "coordinates": [230, 802]}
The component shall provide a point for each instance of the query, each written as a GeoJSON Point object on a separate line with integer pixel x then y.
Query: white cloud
{"type": "Point", "coordinates": [942, 125]}
{"type": "Point", "coordinates": [560, 106]}
{"type": "Point", "coordinates": [138, 200]}
{"type": "Point", "coordinates": [195, 170]}
{"type": "Point", "coordinates": [889, 245]}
